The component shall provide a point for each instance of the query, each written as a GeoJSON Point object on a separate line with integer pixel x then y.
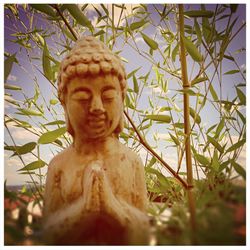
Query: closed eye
{"type": "Point", "coordinates": [109, 94]}
{"type": "Point", "coordinates": [82, 95]}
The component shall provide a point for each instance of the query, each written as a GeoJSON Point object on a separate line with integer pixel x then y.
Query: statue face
{"type": "Point", "coordinates": [94, 105]}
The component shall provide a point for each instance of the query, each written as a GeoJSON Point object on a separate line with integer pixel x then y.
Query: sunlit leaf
{"type": "Point", "coordinates": [137, 25]}
{"type": "Point", "coordinates": [44, 8]}
{"type": "Point", "coordinates": [175, 52]}
{"type": "Point", "coordinates": [219, 127]}
{"type": "Point", "coordinates": [239, 169]}
{"type": "Point", "coordinates": [242, 117]}
{"type": "Point", "coordinates": [241, 96]}
{"type": "Point", "coordinates": [194, 115]}
{"type": "Point", "coordinates": [213, 93]}
{"type": "Point", "coordinates": [28, 147]}
{"type": "Point", "coordinates": [51, 136]}
{"type": "Point", "coordinates": [78, 15]}
{"type": "Point", "coordinates": [46, 63]}
{"type": "Point", "coordinates": [150, 42]}
{"type": "Point", "coordinates": [99, 33]}
{"type": "Point", "coordinates": [199, 13]}
{"type": "Point", "coordinates": [33, 165]}
{"type": "Point", "coordinates": [152, 162]}
{"type": "Point", "coordinates": [236, 145]}
{"type": "Point", "coordinates": [202, 159]}
{"type": "Point", "coordinates": [68, 34]}
{"type": "Point", "coordinates": [175, 140]}
{"type": "Point", "coordinates": [215, 161]}
{"type": "Point", "coordinates": [136, 87]}
{"type": "Point", "coordinates": [58, 122]}
{"type": "Point", "coordinates": [29, 112]}
{"type": "Point", "coordinates": [12, 87]}
{"type": "Point", "coordinates": [192, 50]}
{"type": "Point", "coordinates": [179, 125]}
{"type": "Point", "coordinates": [198, 32]}
{"type": "Point", "coordinates": [53, 101]}
{"type": "Point", "coordinates": [198, 80]}
{"type": "Point", "coordinates": [230, 72]}
{"type": "Point", "coordinates": [215, 143]}
{"type": "Point", "coordinates": [8, 63]}
{"type": "Point", "coordinates": [159, 118]}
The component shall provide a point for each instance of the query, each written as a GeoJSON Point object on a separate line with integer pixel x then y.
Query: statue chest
{"type": "Point", "coordinates": [118, 169]}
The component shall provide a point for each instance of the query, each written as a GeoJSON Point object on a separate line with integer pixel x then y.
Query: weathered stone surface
{"type": "Point", "coordinates": [95, 190]}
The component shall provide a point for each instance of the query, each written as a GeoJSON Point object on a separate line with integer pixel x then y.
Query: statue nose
{"type": "Point", "coordinates": [96, 105]}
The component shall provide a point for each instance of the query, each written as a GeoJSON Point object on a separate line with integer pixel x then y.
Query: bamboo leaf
{"type": "Point", "coordinates": [202, 159]}
{"type": "Point", "coordinates": [78, 15]}
{"type": "Point", "coordinates": [239, 169]}
{"type": "Point", "coordinates": [213, 93]}
{"type": "Point", "coordinates": [198, 80]}
{"type": "Point", "coordinates": [242, 117]}
{"type": "Point", "coordinates": [12, 87]}
{"type": "Point", "coordinates": [28, 147]}
{"type": "Point", "coordinates": [230, 72]}
{"type": "Point", "coordinates": [175, 52]}
{"type": "Point", "coordinates": [137, 25]}
{"type": "Point", "coordinates": [241, 96]}
{"type": "Point", "coordinates": [132, 73]}
{"type": "Point", "coordinates": [29, 112]}
{"type": "Point", "coordinates": [175, 140]}
{"type": "Point", "coordinates": [33, 165]}
{"type": "Point", "coordinates": [8, 63]}
{"type": "Point", "coordinates": [150, 42]}
{"type": "Point", "coordinates": [136, 87]}
{"type": "Point", "coordinates": [44, 8]}
{"type": "Point", "coordinates": [68, 34]}
{"type": "Point", "coordinates": [152, 162]}
{"type": "Point", "coordinates": [51, 136]}
{"type": "Point", "coordinates": [46, 63]}
{"type": "Point", "coordinates": [58, 122]}
{"type": "Point", "coordinates": [233, 7]}
{"type": "Point", "coordinates": [199, 13]}
{"type": "Point", "coordinates": [194, 115]}
{"type": "Point", "coordinates": [215, 143]}
{"type": "Point", "coordinates": [215, 161]}
{"type": "Point", "coordinates": [192, 50]}
{"type": "Point", "coordinates": [236, 145]}
{"type": "Point", "coordinates": [198, 32]}
{"type": "Point", "coordinates": [53, 101]}
{"type": "Point", "coordinates": [159, 118]}
{"type": "Point", "coordinates": [220, 127]}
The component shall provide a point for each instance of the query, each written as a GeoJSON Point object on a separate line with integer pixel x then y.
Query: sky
{"type": "Point", "coordinates": [24, 77]}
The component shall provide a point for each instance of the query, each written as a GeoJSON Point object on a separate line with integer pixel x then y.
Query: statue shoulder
{"type": "Point", "coordinates": [59, 161]}
{"type": "Point", "coordinates": [132, 156]}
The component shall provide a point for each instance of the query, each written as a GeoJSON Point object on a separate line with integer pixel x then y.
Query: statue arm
{"type": "Point", "coordinates": [59, 218]}
{"type": "Point", "coordinates": [141, 190]}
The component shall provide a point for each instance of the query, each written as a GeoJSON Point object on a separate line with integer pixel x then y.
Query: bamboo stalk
{"type": "Point", "coordinates": [187, 130]}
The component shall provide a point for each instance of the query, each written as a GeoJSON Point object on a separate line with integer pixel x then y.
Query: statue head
{"type": "Point", "coordinates": [91, 87]}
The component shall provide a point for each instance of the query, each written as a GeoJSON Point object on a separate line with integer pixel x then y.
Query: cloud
{"type": "Point", "coordinates": [11, 78]}
{"type": "Point", "coordinates": [8, 104]}
{"type": "Point", "coordinates": [21, 135]}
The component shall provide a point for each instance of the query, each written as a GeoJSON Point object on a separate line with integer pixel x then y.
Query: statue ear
{"type": "Point", "coordinates": [68, 124]}
{"type": "Point", "coordinates": [120, 126]}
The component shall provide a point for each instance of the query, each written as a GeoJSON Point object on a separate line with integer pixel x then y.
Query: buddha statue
{"type": "Point", "coordinates": [95, 191]}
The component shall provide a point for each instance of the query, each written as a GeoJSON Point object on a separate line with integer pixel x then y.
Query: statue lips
{"type": "Point", "coordinates": [97, 121]}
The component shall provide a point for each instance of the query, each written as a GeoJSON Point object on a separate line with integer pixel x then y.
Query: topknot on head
{"type": "Point", "coordinates": [90, 57]}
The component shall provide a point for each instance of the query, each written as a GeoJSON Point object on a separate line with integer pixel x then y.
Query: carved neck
{"type": "Point", "coordinates": [100, 145]}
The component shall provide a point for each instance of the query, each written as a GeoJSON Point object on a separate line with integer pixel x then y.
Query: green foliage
{"type": "Point", "coordinates": [150, 48]}
{"type": "Point", "coordinates": [51, 136]}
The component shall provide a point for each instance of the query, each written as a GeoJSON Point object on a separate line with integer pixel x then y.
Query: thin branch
{"type": "Point", "coordinates": [147, 146]}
